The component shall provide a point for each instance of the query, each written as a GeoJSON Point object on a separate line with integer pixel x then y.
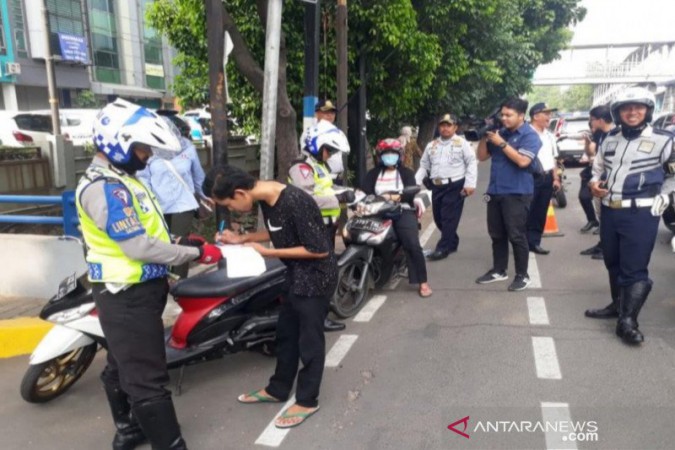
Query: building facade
{"type": "Point", "coordinates": [102, 46]}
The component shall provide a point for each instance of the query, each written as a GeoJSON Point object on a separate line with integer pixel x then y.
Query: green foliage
{"type": "Point", "coordinates": [574, 98]}
{"type": "Point", "coordinates": [86, 99]}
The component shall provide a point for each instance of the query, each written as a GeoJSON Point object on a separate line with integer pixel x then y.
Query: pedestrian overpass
{"type": "Point", "coordinates": [613, 67]}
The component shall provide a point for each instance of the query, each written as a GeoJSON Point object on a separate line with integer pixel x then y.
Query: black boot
{"type": "Point", "coordinates": [129, 434]}
{"type": "Point", "coordinates": [632, 299]}
{"type": "Point", "coordinates": [331, 325]}
{"type": "Point", "coordinates": [160, 425]}
{"type": "Point", "coordinates": [609, 311]}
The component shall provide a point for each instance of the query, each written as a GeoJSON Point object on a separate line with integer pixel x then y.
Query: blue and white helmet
{"type": "Point", "coordinates": [322, 134]}
{"type": "Point", "coordinates": [121, 124]}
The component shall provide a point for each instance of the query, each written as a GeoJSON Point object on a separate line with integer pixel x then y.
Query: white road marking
{"type": "Point", "coordinates": [427, 234]}
{"type": "Point", "coordinates": [558, 414]}
{"type": "Point", "coordinates": [537, 308]}
{"type": "Point", "coordinates": [545, 358]}
{"type": "Point", "coordinates": [273, 436]}
{"type": "Point", "coordinates": [340, 349]}
{"type": "Point", "coordinates": [368, 311]}
{"type": "Point", "coordinates": [533, 270]}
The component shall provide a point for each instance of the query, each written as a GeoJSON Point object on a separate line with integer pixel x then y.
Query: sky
{"type": "Point", "coordinates": [614, 22]}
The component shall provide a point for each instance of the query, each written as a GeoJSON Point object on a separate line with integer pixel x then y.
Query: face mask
{"type": "Point", "coordinates": [390, 159]}
{"type": "Point", "coordinates": [133, 165]}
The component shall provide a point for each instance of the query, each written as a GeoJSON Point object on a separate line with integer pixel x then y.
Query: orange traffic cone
{"type": "Point", "coordinates": [551, 228]}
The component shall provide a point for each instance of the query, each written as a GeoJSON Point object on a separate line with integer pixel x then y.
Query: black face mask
{"type": "Point", "coordinates": [133, 165]}
{"type": "Point", "coordinates": [632, 132]}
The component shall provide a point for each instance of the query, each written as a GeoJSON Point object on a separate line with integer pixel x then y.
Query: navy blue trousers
{"type": "Point", "coordinates": [628, 236]}
{"type": "Point", "coordinates": [448, 203]}
{"type": "Point", "coordinates": [536, 219]}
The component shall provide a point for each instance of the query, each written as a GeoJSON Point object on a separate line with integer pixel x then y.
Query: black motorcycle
{"type": "Point", "coordinates": [373, 256]}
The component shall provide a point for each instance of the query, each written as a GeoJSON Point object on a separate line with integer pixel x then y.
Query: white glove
{"type": "Point", "coordinates": [661, 203]}
{"type": "Point", "coordinates": [419, 207]}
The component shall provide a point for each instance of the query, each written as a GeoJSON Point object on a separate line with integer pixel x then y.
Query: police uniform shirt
{"type": "Point", "coordinates": [642, 167]}
{"type": "Point", "coordinates": [295, 221]}
{"type": "Point", "coordinates": [449, 160]}
{"type": "Point", "coordinates": [548, 151]}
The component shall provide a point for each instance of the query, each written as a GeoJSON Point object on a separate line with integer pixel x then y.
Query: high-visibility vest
{"type": "Point", "coordinates": [106, 261]}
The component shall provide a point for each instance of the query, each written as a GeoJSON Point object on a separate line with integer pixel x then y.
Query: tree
{"type": "Point", "coordinates": [565, 99]}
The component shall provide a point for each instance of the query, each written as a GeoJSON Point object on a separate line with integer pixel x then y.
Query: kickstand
{"type": "Point", "coordinates": [179, 382]}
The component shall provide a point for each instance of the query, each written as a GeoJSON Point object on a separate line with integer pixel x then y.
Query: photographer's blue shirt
{"type": "Point", "coordinates": [506, 178]}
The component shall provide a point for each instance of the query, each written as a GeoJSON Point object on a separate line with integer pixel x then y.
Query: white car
{"type": "Point", "coordinates": [570, 133]}
{"type": "Point", "coordinates": [25, 129]}
{"type": "Point", "coordinates": [76, 124]}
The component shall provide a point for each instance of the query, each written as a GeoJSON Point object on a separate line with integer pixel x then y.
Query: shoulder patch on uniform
{"type": "Point", "coordinates": [305, 170]}
{"type": "Point", "coordinates": [123, 222]}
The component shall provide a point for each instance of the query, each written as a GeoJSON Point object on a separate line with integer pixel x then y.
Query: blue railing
{"type": "Point", "coordinates": [68, 221]}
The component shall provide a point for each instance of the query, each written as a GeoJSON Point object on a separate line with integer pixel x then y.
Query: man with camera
{"type": "Point", "coordinates": [512, 148]}
{"type": "Point", "coordinates": [545, 181]}
{"type": "Point", "coordinates": [451, 167]}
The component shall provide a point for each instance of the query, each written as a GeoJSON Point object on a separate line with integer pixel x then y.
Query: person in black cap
{"type": "Point", "coordinates": [546, 180]}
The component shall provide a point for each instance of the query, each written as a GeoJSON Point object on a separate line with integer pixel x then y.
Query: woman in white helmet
{"type": "Point", "coordinates": [129, 250]}
{"type": "Point", "coordinates": [633, 175]}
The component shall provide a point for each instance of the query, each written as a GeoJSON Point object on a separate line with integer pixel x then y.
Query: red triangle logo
{"type": "Point", "coordinates": [465, 421]}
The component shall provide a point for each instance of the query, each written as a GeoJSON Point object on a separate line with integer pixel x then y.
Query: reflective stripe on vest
{"type": "Point", "coordinates": [106, 260]}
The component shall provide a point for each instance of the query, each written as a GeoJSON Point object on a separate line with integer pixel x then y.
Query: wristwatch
{"type": "Point", "coordinates": [503, 145]}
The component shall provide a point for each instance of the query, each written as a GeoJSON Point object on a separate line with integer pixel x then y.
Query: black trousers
{"type": "Point", "coordinates": [300, 338]}
{"type": "Point", "coordinates": [536, 219]}
{"type": "Point", "coordinates": [448, 203]}
{"type": "Point", "coordinates": [586, 197]}
{"type": "Point", "coordinates": [132, 323]}
{"type": "Point", "coordinates": [507, 221]}
{"type": "Point", "coordinates": [407, 232]}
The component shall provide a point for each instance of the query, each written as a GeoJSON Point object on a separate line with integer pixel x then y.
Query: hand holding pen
{"type": "Point", "coordinates": [226, 236]}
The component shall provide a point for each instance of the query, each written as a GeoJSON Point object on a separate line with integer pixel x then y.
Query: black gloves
{"type": "Point", "coordinates": [346, 197]}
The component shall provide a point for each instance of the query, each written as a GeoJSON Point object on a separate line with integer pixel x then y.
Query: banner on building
{"type": "Point", "coordinates": [154, 70]}
{"type": "Point", "coordinates": [73, 48]}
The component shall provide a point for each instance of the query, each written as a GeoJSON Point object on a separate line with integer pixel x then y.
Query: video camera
{"type": "Point", "coordinates": [491, 123]}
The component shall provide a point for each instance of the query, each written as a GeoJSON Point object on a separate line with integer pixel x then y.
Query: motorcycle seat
{"type": "Point", "coordinates": [217, 284]}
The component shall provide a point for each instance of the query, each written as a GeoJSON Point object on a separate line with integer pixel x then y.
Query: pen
{"type": "Point", "coordinates": [221, 227]}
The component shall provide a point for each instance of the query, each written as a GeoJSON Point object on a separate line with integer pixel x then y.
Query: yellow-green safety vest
{"type": "Point", "coordinates": [106, 261]}
{"type": "Point", "coordinates": [323, 185]}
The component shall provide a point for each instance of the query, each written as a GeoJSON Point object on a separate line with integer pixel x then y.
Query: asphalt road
{"type": "Point", "coordinates": [518, 375]}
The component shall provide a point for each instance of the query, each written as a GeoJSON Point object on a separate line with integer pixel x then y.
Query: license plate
{"type": "Point", "coordinates": [367, 225]}
{"type": "Point", "coordinates": [66, 286]}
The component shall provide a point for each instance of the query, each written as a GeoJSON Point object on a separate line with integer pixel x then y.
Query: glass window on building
{"type": "Point", "coordinates": [105, 51]}
{"type": "Point", "coordinates": [65, 16]}
{"type": "Point", "coordinates": [18, 28]}
{"type": "Point", "coordinates": [3, 44]}
{"type": "Point", "coordinates": [152, 51]}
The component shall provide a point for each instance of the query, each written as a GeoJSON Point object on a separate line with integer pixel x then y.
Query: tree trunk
{"type": "Point", "coordinates": [427, 127]}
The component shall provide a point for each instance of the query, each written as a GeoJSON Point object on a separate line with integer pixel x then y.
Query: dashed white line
{"type": "Point", "coordinates": [370, 309]}
{"type": "Point", "coordinates": [427, 234]}
{"type": "Point", "coordinates": [533, 270]}
{"type": "Point", "coordinates": [557, 413]}
{"type": "Point", "coordinates": [340, 349]}
{"type": "Point", "coordinates": [537, 309]}
{"type": "Point", "coordinates": [545, 358]}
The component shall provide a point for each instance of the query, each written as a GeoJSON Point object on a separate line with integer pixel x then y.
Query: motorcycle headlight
{"type": "Point", "coordinates": [68, 315]}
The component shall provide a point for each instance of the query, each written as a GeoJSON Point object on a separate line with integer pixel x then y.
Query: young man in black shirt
{"type": "Point", "coordinates": [295, 227]}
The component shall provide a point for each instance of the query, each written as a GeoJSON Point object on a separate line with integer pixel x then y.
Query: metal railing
{"type": "Point", "coordinates": [69, 220]}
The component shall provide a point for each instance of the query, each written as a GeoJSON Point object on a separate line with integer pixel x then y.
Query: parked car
{"type": "Point", "coordinates": [182, 123]}
{"type": "Point", "coordinates": [570, 134]}
{"type": "Point", "coordinates": [76, 124]}
{"type": "Point", "coordinates": [666, 122]}
{"type": "Point", "coordinates": [25, 129]}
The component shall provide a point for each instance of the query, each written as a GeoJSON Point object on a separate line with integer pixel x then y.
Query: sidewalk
{"type": "Point", "coordinates": [21, 329]}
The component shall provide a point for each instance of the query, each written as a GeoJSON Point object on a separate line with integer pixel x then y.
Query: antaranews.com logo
{"type": "Point", "coordinates": [572, 431]}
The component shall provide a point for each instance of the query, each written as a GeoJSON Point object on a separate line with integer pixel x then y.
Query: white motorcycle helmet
{"type": "Point", "coordinates": [121, 124]}
{"type": "Point", "coordinates": [325, 134]}
{"type": "Point", "coordinates": [637, 95]}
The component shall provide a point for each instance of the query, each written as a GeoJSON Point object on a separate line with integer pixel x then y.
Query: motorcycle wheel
{"type": "Point", "coordinates": [348, 298]}
{"type": "Point", "coordinates": [560, 198]}
{"type": "Point", "coordinates": [44, 382]}
{"type": "Point", "coordinates": [669, 218]}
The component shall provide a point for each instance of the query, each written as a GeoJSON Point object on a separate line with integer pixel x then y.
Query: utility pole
{"type": "Point", "coordinates": [312, 21]}
{"type": "Point", "coordinates": [361, 121]}
{"type": "Point", "coordinates": [51, 78]}
{"type": "Point", "coordinates": [342, 63]}
{"type": "Point", "coordinates": [215, 27]}
{"type": "Point", "coordinates": [269, 119]}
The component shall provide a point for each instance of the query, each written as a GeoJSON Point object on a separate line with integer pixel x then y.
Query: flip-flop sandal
{"type": "Point", "coordinates": [258, 398]}
{"type": "Point", "coordinates": [302, 415]}
{"type": "Point", "coordinates": [427, 293]}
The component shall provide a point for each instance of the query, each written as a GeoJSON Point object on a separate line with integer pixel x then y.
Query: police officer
{"type": "Point", "coordinates": [311, 174]}
{"type": "Point", "coordinates": [450, 164]}
{"type": "Point", "coordinates": [628, 174]}
{"type": "Point", "coordinates": [128, 253]}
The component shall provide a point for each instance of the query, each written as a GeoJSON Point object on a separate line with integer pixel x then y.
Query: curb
{"type": "Point", "coordinates": [20, 336]}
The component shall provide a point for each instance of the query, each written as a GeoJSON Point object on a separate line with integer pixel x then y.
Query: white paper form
{"type": "Point", "coordinates": [242, 261]}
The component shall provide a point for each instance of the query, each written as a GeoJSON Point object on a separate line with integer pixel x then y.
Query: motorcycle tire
{"type": "Point", "coordinates": [348, 298]}
{"type": "Point", "coordinates": [560, 198]}
{"type": "Point", "coordinates": [46, 381]}
{"type": "Point", "coordinates": [669, 218]}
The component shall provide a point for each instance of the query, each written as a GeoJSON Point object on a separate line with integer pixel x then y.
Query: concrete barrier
{"type": "Point", "coordinates": [33, 266]}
